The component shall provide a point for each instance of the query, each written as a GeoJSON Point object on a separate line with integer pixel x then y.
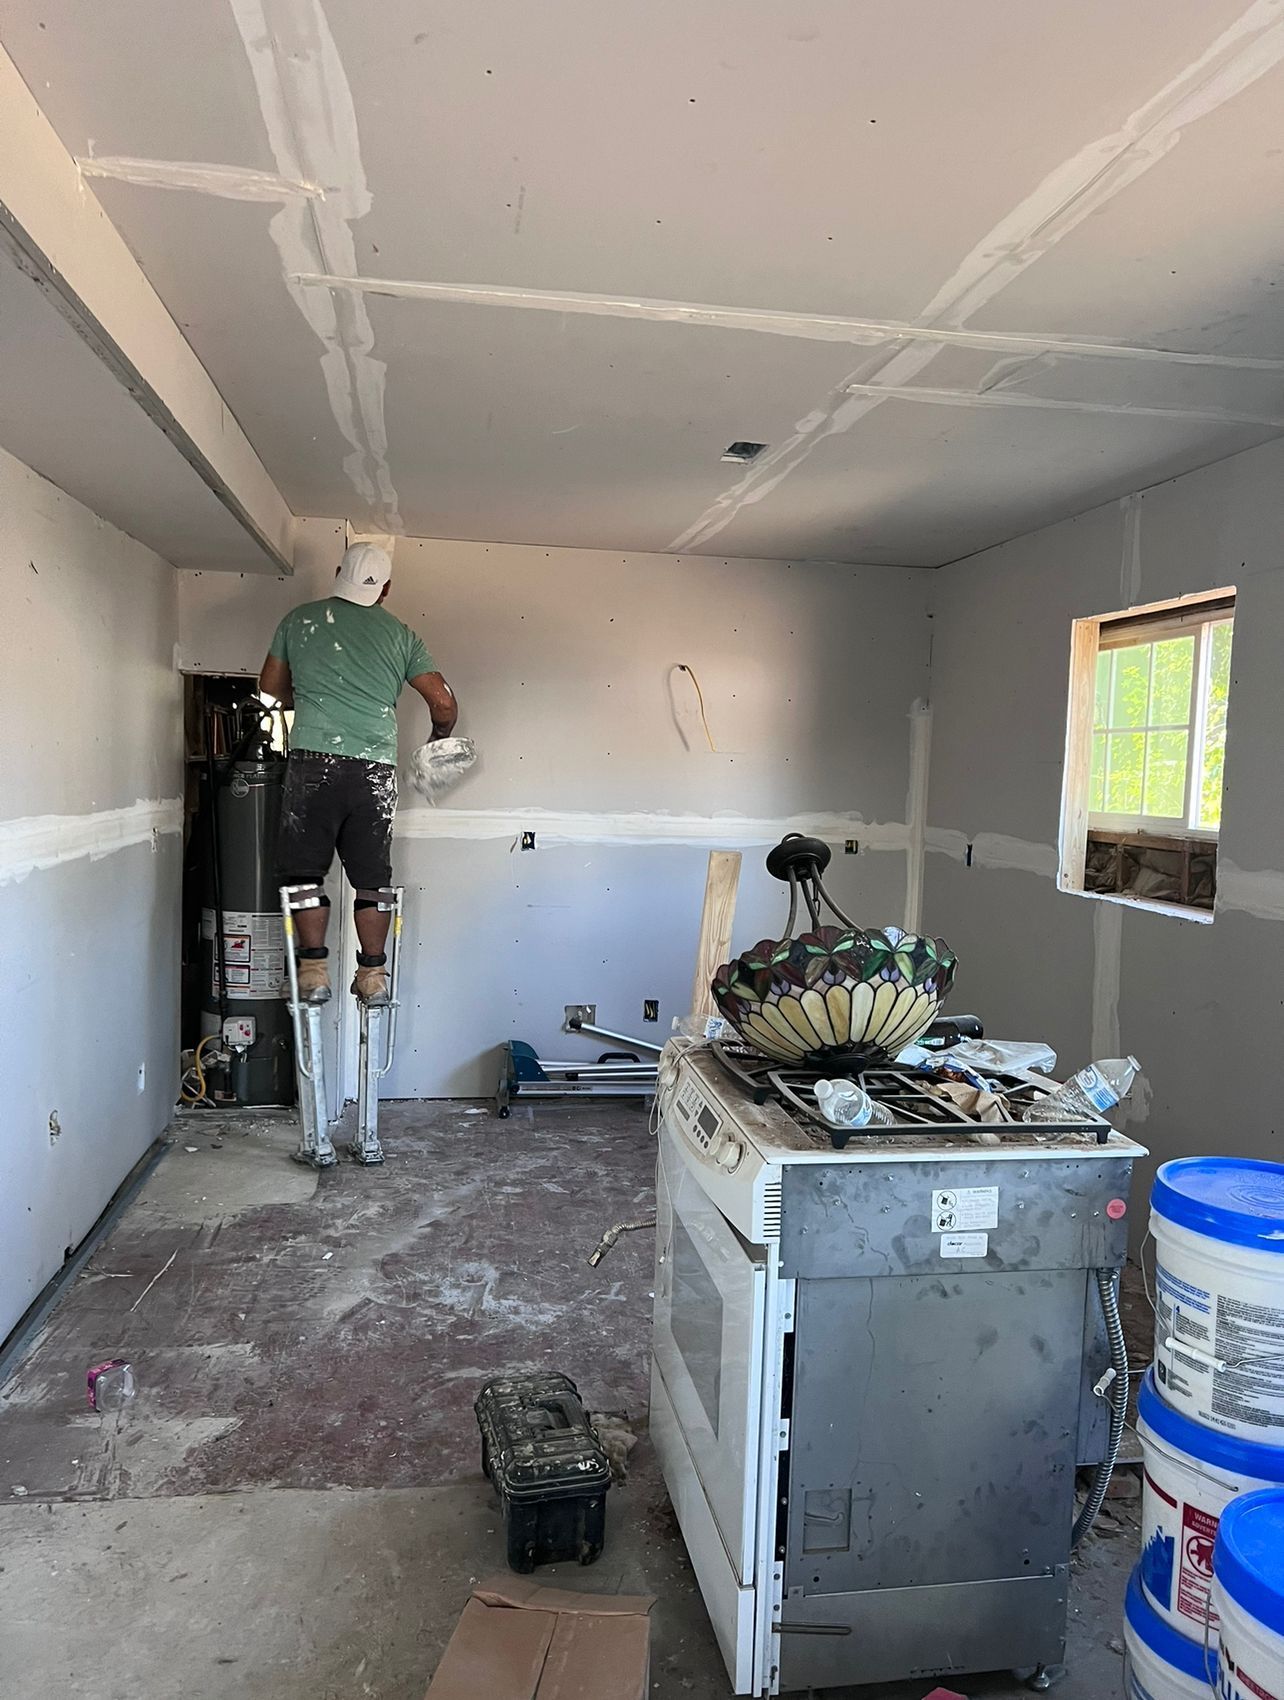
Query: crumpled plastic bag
{"type": "Point", "coordinates": [435, 767]}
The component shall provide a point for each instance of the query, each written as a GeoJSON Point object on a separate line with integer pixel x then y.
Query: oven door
{"type": "Point", "coordinates": [709, 1344]}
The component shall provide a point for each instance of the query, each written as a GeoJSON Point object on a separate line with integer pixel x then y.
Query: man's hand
{"type": "Point", "coordinates": [441, 703]}
{"type": "Point", "coordinates": [275, 682]}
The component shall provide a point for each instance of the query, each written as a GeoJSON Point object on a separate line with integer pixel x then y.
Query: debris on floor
{"type": "Point", "coordinates": [529, 1642]}
{"type": "Point", "coordinates": [616, 1435]}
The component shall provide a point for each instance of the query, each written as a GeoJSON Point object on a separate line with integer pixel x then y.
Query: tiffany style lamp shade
{"type": "Point", "coordinates": [836, 996]}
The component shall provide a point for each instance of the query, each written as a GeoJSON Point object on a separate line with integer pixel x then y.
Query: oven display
{"type": "Point", "coordinates": [707, 1122]}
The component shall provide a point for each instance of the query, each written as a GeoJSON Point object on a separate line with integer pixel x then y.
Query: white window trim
{"type": "Point", "coordinates": [1086, 642]}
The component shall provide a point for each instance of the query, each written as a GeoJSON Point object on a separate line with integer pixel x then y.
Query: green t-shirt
{"type": "Point", "coordinates": [348, 665]}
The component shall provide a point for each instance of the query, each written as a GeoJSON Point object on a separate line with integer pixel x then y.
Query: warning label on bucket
{"type": "Point", "coordinates": [965, 1209]}
{"type": "Point", "coordinates": [1195, 1570]}
{"type": "Point", "coordinates": [253, 949]}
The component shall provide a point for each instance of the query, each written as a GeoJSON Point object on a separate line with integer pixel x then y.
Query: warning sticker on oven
{"type": "Point", "coordinates": [965, 1245]}
{"type": "Point", "coordinates": [965, 1209]}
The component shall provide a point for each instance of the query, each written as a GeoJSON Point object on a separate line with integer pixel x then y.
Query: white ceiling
{"type": "Point", "coordinates": [1070, 170]}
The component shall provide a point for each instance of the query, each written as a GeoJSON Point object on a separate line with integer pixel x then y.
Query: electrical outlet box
{"type": "Point", "coordinates": [528, 841]}
{"type": "Point", "coordinates": [584, 1013]}
{"type": "Point", "coordinates": [851, 846]}
{"type": "Point", "coordinates": [650, 1009]}
{"type": "Point", "coordinates": [142, 1077]}
{"type": "Point", "coordinates": [240, 1032]}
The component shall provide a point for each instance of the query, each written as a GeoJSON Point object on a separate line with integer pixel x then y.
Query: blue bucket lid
{"type": "Point", "coordinates": [1158, 1634]}
{"type": "Point", "coordinates": [1237, 1199]}
{"type": "Point", "coordinates": [1248, 1559]}
{"type": "Point", "coordinates": [1207, 1445]}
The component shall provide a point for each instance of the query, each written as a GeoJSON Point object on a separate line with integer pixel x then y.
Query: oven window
{"type": "Point", "coordinates": [696, 1322]}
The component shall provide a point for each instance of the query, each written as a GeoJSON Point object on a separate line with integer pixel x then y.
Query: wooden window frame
{"type": "Point", "coordinates": [1089, 636]}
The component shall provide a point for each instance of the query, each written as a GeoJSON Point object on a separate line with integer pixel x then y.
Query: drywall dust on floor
{"type": "Point", "coordinates": [292, 1507]}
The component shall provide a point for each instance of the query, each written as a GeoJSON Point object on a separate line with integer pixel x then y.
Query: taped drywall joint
{"type": "Point", "coordinates": [1075, 191]}
{"type": "Point", "coordinates": [40, 842]}
{"type": "Point", "coordinates": [920, 749]}
{"type": "Point", "coordinates": [311, 125]}
{"type": "Point", "coordinates": [1107, 951]}
{"type": "Point", "coordinates": [228, 182]}
{"type": "Point", "coordinates": [993, 850]}
{"type": "Point", "coordinates": [1259, 893]}
{"type": "Point", "coordinates": [1130, 563]}
{"type": "Point", "coordinates": [725, 831]}
{"type": "Point", "coordinates": [1030, 347]}
{"type": "Point", "coordinates": [1058, 404]}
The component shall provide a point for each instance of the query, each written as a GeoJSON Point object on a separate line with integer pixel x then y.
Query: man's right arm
{"type": "Point", "coordinates": [275, 682]}
{"type": "Point", "coordinates": [441, 703]}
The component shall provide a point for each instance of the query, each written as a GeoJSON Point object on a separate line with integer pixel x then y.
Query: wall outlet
{"type": "Point", "coordinates": [650, 1009]}
{"type": "Point", "coordinates": [586, 1013]}
{"type": "Point", "coordinates": [528, 841]}
{"type": "Point", "coordinates": [851, 846]}
{"type": "Point", "coordinates": [55, 1128]}
{"type": "Point", "coordinates": [142, 1077]}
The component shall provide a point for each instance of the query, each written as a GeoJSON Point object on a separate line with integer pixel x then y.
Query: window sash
{"type": "Point", "coordinates": [1198, 622]}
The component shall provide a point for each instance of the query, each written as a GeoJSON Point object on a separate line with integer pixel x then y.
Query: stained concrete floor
{"type": "Point", "coordinates": [292, 1506]}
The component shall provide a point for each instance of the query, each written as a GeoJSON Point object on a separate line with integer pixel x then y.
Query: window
{"type": "Point", "coordinates": [1145, 748]}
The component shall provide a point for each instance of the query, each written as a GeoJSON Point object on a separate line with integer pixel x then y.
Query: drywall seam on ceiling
{"type": "Point", "coordinates": [731, 831]}
{"type": "Point", "coordinates": [807, 327]}
{"type": "Point", "coordinates": [1055, 404]}
{"type": "Point", "coordinates": [229, 182]}
{"type": "Point", "coordinates": [59, 236]}
{"type": "Point", "coordinates": [920, 750]}
{"type": "Point", "coordinates": [45, 841]}
{"type": "Point", "coordinates": [312, 130]}
{"type": "Point", "coordinates": [1076, 190]}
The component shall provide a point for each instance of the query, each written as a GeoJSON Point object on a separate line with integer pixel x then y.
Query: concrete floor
{"type": "Point", "coordinates": [292, 1505]}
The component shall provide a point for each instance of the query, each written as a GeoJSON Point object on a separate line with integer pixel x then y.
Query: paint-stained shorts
{"type": "Point", "coordinates": [337, 803]}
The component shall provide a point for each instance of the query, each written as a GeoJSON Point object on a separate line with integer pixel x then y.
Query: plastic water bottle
{"type": "Point", "coordinates": [849, 1105]}
{"type": "Point", "coordinates": [1094, 1091]}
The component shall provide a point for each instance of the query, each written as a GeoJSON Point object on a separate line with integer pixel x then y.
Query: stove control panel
{"type": "Point", "coordinates": [706, 1128]}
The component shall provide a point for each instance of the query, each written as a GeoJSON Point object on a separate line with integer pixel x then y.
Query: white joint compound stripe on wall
{"type": "Point", "coordinates": [45, 841]}
{"type": "Point", "coordinates": [552, 826]}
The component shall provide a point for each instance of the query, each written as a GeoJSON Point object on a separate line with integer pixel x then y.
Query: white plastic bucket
{"type": "Point", "coordinates": [1218, 1224]}
{"type": "Point", "coordinates": [1191, 1475]}
{"type": "Point", "coordinates": [1248, 1595]}
{"type": "Point", "coordinates": [1160, 1664]}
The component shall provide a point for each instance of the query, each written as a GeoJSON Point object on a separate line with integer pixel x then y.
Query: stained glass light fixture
{"type": "Point", "coordinates": [836, 996]}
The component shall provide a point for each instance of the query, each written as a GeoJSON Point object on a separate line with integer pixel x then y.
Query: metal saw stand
{"type": "Point", "coordinates": [378, 1036]}
{"type": "Point", "coordinates": [316, 1148]}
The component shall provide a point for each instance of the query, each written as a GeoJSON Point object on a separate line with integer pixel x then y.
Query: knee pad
{"type": "Point", "coordinates": [384, 897]}
{"type": "Point", "coordinates": [305, 893]}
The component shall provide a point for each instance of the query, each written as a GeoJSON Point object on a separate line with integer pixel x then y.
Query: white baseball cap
{"type": "Point", "coordinates": [363, 572]}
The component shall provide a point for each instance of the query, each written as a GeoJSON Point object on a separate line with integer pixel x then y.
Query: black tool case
{"type": "Point", "coordinates": [547, 1467]}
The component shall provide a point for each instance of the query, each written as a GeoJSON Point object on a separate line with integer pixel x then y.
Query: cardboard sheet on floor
{"type": "Point", "coordinates": [517, 1640]}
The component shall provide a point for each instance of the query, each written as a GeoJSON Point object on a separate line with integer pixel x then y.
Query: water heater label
{"type": "Point", "coordinates": [965, 1209]}
{"type": "Point", "coordinates": [965, 1245]}
{"type": "Point", "coordinates": [254, 950]}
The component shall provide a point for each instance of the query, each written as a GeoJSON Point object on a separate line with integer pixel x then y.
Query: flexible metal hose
{"type": "Point", "coordinates": [1108, 1289]}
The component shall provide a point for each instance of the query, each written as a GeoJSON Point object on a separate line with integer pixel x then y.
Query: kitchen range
{"type": "Point", "coordinates": [877, 1368]}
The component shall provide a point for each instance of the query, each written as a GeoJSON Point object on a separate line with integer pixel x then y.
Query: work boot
{"type": "Point", "coordinates": [370, 986]}
{"type": "Point", "coordinates": [314, 980]}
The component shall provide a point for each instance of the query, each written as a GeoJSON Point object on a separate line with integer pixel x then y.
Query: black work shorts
{"type": "Point", "coordinates": [337, 803]}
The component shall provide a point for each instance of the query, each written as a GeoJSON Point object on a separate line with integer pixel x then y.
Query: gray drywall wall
{"type": "Point", "coordinates": [90, 868]}
{"type": "Point", "coordinates": [1199, 1004]}
{"type": "Point", "coordinates": [564, 664]}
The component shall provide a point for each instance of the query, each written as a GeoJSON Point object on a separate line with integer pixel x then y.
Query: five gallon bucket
{"type": "Point", "coordinates": [1218, 1224]}
{"type": "Point", "coordinates": [1160, 1663]}
{"type": "Point", "coordinates": [1248, 1595]}
{"type": "Point", "coordinates": [1191, 1475]}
